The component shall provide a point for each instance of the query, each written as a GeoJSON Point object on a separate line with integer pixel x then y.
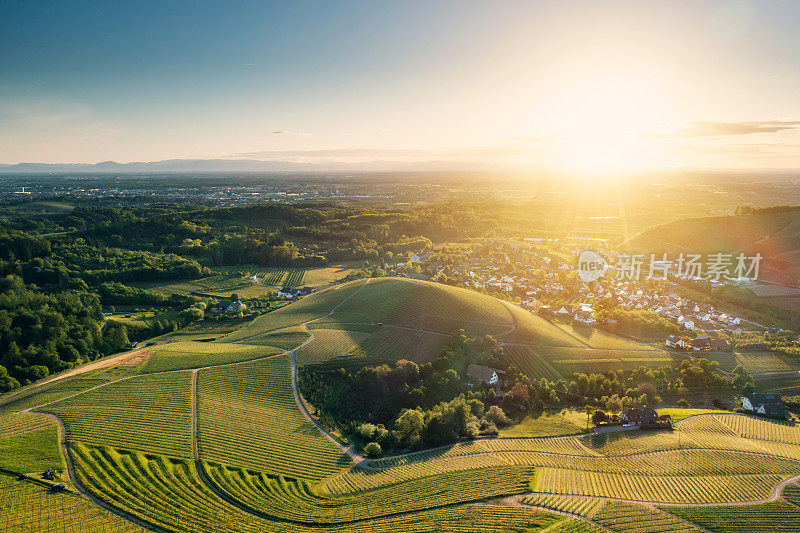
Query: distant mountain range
{"type": "Point", "coordinates": [235, 165]}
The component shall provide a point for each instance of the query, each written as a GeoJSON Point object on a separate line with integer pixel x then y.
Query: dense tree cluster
{"type": "Point", "coordinates": [429, 405]}
{"type": "Point", "coordinates": [42, 333]}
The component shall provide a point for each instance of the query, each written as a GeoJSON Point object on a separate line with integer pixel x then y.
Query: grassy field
{"type": "Point", "coordinates": [35, 451]}
{"type": "Point", "coordinates": [26, 506]}
{"type": "Point", "coordinates": [150, 413]}
{"type": "Point", "coordinates": [221, 285]}
{"type": "Point", "coordinates": [547, 424]}
{"type": "Point", "coordinates": [247, 417]}
{"type": "Point", "coordinates": [192, 354]}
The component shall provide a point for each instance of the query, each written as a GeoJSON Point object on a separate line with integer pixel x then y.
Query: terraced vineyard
{"type": "Point", "coordinates": [53, 390]}
{"type": "Point", "coordinates": [420, 304]}
{"type": "Point", "coordinates": [247, 417]}
{"type": "Point", "coordinates": [529, 362]}
{"type": "Point", "coordinates": [582, 359]}
{"type": "Point", "coordinates": [26, 506]}
{"type": "Point", "coordinates": [172, 495]}
{"type": "Point", "coordinates": [677, 489]}
{"type": "Point", "coordinates": [625, 517]}
{"type": "Point", "coordinates": [297, 500]}
{"type": "Point", "coordinates": [329, 344]}
{"type": "Point", "coordinates": [295, 277]}
{"type": "Point", "coordinates": [391, 344]}
{"type": "Point", "coordinates": [272, 277]}
{"type": "Point", "coordinates": [780, 515]}
{"type": "Point", "coordinates": [193, 354]}
{"type": "Point", "coordinates": [286, 338]}
{"type": "Point", "coordinates": [290, 277]}
{"type": "Point", "coordinates": [14, 424]}
{"type": "Point", "coordinates": [150, 413]}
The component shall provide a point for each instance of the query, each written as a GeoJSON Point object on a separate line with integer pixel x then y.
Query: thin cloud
{"type": "Point", "coordinates": [284, 132]}
{"type": "Point", "coordinates": [716, 129]}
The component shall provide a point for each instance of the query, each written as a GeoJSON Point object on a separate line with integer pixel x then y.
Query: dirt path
{"type": "Point", "coordinates": [130, 358]}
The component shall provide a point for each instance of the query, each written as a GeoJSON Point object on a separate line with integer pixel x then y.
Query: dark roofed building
{"type": "Point", "coordinates": [639, 415]}
{"type": "Point", "coordinates": [482, 373]}
{"type": "Point", "coordinates": [765, 404]}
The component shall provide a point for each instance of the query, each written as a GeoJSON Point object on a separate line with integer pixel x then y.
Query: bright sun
{"type": "Point", "coordinates": [599, 122]}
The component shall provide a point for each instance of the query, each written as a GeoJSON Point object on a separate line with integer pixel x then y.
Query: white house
{"type": "Point", "coordinates": [673, 341]}
{"type": "Point", "coordinates": [765, 404]}
{"type": "Point", "coordinates": [687, 323]}
{"type": "Point", "coordinates": [482, 373]}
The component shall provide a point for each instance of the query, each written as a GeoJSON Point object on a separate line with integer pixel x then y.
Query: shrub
{"type": "Point", "coordinates": [496, 416]}
{"type": "Point", "coordinates": [373, 449]}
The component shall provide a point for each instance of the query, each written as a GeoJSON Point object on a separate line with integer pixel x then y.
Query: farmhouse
{"type": "Point", "coordinates": [700, 344]}
{"type": "Point", "coordinates": [765, 404]}
{"type": "Point", "coordinates": [291, 292]}
{"type": "Point", "coordinates": [227, 306]}
{"type": "Point", "coordinates": [673, 341]}
{"type": "Point", "coordinates": [483, 374]}
{"type": "Point", "coordinates": [639, 416]}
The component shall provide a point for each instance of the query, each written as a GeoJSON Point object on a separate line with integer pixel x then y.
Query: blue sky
{"type": "Point", "coordinates": [556, 84]}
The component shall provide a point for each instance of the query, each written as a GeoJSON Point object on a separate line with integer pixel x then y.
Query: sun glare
{"type": "Point", "coordinates": [599, 121]}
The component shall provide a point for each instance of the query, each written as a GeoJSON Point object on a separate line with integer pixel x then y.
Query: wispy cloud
{"type": "Point", "coordinates": [284, 132]}
{"type": "Point", "coordinates": [716, 129]}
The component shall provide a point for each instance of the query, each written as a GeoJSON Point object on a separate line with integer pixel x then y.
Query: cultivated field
{"type": "Point", "coordinates": [192, 354]}
{"type": "Point", "coordinates": [247, 417]}
{"type": "Point", "coordinates": [29, 507]}
{"type": "Point", "coordinates": [150, 413]}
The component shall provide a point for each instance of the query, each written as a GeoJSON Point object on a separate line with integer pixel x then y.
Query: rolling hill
{"type": "Point", "coordinates": [774, 233]}
{"type": "Point", "coordinates": [213, 436]}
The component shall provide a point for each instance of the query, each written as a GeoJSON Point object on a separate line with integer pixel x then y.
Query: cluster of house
{"type": "Point", "coordinates": [293, 292]}
{"type": "Point", "coordinates": [227, 306]}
